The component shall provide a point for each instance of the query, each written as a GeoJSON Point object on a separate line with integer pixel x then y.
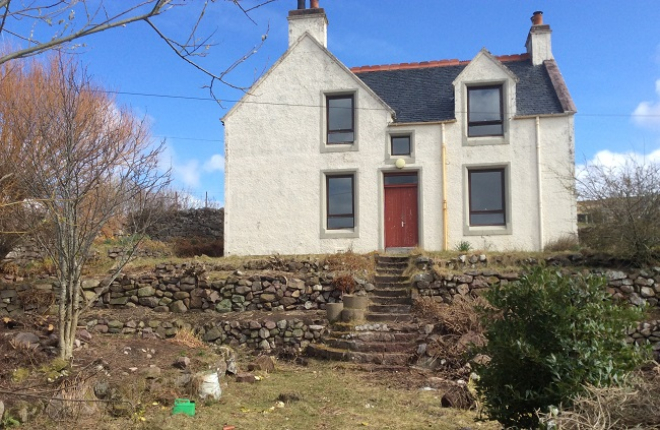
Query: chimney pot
{"type": "Point", "coordinates": [301, 4]}
{"type": "Point", "coordinates": [537, 18]}
{"type": "Point", "coordinates": [314, 4]}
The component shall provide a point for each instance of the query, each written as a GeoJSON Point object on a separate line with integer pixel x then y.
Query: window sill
{"type": "Point", "coordinates": [485, 140]}
{"type": "Point", "coordinates": [391, 159]}
{"type": "Point", "coordinates": [340, 234]}
{"type": "Point", "coordinates": [339, 147]}
{"type": "Point", "coordinates": [487, 230]}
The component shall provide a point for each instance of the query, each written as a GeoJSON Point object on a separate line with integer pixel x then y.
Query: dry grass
{"type": "Point", "coordinates": [345, 284]}
{"type": "Point", "coordinates": [318, 397]}
{"type": "Point", "coordinates": [350, 262]}
{"type": "Point", "coordinates": [460, 317]}
{"type": "Point", "coordinates": [458, 328]}
{"type": "Point", "coordinates": [564, 243]}
{"type": "Point", "coordinates": [188, 338]}
{"type": "Point", "coordinates": [634, 405]}
{"type": "Point", "coordinates": [197, 246]}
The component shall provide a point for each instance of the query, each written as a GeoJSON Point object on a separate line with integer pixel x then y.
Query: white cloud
{"type": "Point", "coordinates": [215, 164]}
{"type": "Point", "coordinates": [609, 159]}
{"type": "Point", "coordinates": [188, 173]}
{"type": "Point", "coordinates": [647, 114]}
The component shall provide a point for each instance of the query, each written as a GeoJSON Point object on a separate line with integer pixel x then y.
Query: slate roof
{"type": "Point", "coordinates": [426, 93]}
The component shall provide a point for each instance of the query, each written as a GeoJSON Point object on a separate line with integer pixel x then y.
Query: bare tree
{"type": "Point", "coordinates": [43, 25]}
{"type": "Point", "coordinates": [623, 205]}
{"type": "Point", "coordinates": [12, 216]}
{"type": "Point", "coordinates": [84, 160]}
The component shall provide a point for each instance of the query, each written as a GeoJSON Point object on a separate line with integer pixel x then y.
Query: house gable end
{"type": "Point", "coordinates": [305, 40]}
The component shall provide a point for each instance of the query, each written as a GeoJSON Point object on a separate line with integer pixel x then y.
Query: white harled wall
{"type": "Point", "coordinates": [275, 159]}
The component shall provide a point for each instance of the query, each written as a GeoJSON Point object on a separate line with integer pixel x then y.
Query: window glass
{"type": "Point", "coordinates": [340, 209]}
{"type": "Point", "coordinates": [400, 179]}
{"type": "Point", "coordinates": [400, 145]}
{"type": "Point", "coordinates": [487, 197]}
{"type": "Point", "coordinates": [340, 119]}
{"type": "Point", "coordinates": [485, 111]}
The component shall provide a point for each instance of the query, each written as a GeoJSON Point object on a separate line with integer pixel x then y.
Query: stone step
{"type": "Point", "coordinates": [394, 285]}
{"type": "Point", "coordinates": [391, 300]}
{"type": "Point", "coordinates": [392, 259]}
{"type": "Point", "coordinates": [383, 358]}
{"type": "Point", "coordinates": [387, 318]}
{"type": "Point", "coordinates": [398, 266]}
{"type": "Point", "coordinates": [390, 292]}
{"type": "Point", "coordinates": [387, 279]}
{"type": "Point", "coordinates": [376, 336]}
{"type": "Point", "coordinates": [384, 308]}
{"type": "Point", "coordinates": [362, 346]}
{"type": "Point", "coordinates": [389, 271]}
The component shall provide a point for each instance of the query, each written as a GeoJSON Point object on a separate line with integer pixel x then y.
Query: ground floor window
{"type": "Point", "coordinates": [340, 204]}
{"type": "Point", "coordinates": [487, 197]}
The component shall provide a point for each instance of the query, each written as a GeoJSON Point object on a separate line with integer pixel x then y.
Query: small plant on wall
{"type": "Point", "coordinates": [345, 284]}
{"type": "Point", "coordinates": [463, 246]}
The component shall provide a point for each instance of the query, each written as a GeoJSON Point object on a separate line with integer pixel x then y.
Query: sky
{"type": "Point", "coordinates": [608, 52]}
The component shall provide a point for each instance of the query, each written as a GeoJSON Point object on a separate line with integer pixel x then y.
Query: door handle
{"type": "Point", "coordinates": [402, 223]}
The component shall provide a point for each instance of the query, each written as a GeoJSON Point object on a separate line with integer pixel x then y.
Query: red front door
{"type": "Point", "coordinates": [401, 210]}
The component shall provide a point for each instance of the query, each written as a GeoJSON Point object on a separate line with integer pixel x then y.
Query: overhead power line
{"type": "Point", "coordinates": [211, 99]}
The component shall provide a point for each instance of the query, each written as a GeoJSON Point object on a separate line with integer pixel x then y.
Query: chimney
{"type": "Point", "coordinates": [539, 46]}
{"type": "Point", "coordinates": [312, 21]}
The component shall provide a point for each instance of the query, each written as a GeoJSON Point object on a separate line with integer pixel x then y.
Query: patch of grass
{"type": "Point", "coordinates": [351, 262]}
{"type": "Point", "coordinates": [564, 243]}
{"type": "Point", "coordinates": [19, 375]}
{"type": "Point", "coordinates": [632, 405]}
{"type": "Point", "coordinates": [463, 246]}
{"type": "Point", "coordinates": [326, 398]}
{"type": "Point", "coordinates": [193, 246]}
{"type": "Point", "coordinates": [188, 338]}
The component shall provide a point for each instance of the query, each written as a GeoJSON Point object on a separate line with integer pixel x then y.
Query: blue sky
{"type": "Point", "coordinates": [607, 50]}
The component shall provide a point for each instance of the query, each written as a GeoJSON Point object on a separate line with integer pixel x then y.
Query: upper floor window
{"type": "Point", "coordinates": [487, 198]}
{"type": "Point", "coordinates": [485, 111]}
{"type": "Point", "coordinates": [341, 116]}
{"type": "Point", "coordinates": [400, 145]}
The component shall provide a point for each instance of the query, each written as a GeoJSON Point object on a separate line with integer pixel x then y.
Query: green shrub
{"type": "Point", "coordinates": [548, 336]}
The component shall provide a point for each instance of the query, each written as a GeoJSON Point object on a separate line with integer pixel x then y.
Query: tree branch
{"type": "Point", "coordinates": [87, 31]}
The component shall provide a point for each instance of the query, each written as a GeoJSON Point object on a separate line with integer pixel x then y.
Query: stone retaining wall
{"type": "Point", "coordinates": [188, 287]}
{"type": "Point", "coordinates": [638, 286]}
{"type": "Point", "coordinates": [281, 334]}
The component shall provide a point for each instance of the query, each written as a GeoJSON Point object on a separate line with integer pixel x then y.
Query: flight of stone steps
{"type": "Point", "coordinates": [391, 298]}
{"type": "Point", "coordinates": [387, 337]}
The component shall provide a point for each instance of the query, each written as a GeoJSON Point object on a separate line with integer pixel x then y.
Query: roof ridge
{"type": "Point", "coordinates": [436, 63]}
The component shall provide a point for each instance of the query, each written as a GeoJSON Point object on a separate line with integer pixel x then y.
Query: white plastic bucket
{"type": "Point", "coordinates": [210, 387]}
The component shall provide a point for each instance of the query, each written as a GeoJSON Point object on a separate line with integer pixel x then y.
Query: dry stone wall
{"type": "Point", "coordinates": [283, 285]}
{"type": "Point", "coordinates": [640, 287]}
{"type": "Point", "coordinates": [282, 333]}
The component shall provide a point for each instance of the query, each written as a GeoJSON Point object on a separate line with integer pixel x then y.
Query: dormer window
{"type": "Point", "coordinates": [340, 119]}
{"type": "Point", "coordinates": [485, 117]}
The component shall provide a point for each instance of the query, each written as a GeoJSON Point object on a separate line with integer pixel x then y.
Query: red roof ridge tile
{"type": "Point", "coordinates": [436, 63]}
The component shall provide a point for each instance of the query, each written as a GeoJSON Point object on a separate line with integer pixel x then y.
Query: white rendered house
{"type": "Point", "coordinates": [322, 158]}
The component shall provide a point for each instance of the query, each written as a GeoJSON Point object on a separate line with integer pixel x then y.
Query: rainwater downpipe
{"type": "Point", "coordinates": [445, 221]}
{"type": "Point", "coordinates": [538, 181]}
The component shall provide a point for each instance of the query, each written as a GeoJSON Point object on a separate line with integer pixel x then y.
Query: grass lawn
{"type": "Point", "coordinates": [322, 395]}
